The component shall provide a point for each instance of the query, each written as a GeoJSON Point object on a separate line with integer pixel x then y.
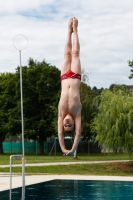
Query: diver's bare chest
{"type": "Point", "coordinates": [71, 108]}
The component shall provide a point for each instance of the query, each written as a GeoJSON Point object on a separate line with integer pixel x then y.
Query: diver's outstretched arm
{"type": "Point", "coordinates": [77, 135]}
{"type": "Point", "coordinates": [61, 135]}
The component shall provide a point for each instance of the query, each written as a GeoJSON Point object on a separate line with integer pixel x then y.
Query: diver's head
{"type": "Point", "coordinates": [68, 123]}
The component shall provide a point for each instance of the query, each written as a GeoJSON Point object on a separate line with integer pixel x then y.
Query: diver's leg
{"type": "Point", "coordinates": [75, 65]}
{"type": "Point", "coordinates": [66, 65]}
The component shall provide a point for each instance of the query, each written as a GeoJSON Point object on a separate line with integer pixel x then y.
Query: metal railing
{"type": "Point", "coordinates": [16, 157]}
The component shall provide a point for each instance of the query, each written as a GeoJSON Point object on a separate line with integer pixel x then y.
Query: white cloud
{"type": "Point", "coordinates": [14, 6]}
{"type": "Point", "coordinates": [105, 32]}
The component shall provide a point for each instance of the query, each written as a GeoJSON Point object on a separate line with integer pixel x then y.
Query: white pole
{"type": "Point", "coordinates": [22, 123]}
{"type": "Point", "coordinates": [22, 47]}
{"type": "Point", "coordinates": [10, 177]}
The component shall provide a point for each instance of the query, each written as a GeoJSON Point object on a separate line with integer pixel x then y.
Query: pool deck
{"type": "Point", "coordinates": [64, 163]}
{"type": "Point", "coordinates": [33, 179]}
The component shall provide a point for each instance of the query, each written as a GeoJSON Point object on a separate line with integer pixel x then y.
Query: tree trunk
{"type": "Point", "coordinates": [1, 148]}
{"type": "Point", "coordinates": [41, 142]}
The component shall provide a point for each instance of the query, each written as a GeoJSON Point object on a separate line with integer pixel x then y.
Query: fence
{"type": "Point", "coordinates": [16, 147]}
{"type": "Point", "coordinates": [83, 147]}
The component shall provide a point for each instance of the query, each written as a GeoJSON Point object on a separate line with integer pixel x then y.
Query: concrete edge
{"type": "Point", "coordinates": [33, 179]}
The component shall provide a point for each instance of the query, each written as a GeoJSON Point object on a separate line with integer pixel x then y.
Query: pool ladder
{"type": "Point", "coordinates": [16, 157]}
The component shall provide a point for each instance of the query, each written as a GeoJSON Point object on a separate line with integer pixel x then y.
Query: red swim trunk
{"type": "Point", "coordinates": [70, 74]}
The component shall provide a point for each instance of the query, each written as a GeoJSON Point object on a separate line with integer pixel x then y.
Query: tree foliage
{"type": "Point", "coordinates": [41, 84]}
{"type": "Point", "coordinates": [7, 102]}
{"type": "Point", "coordinates": [113, 123]}
{"type": "Point", "coordinates": [130, 64]}
{"type": "Point", "coordinates": [97, 91]}
{"type": "Point", "coordinates": [116, 87]}
{"type": "Point", "coordinates": [40, 87]}
{"type": "Point", "coordinates": [86, 95]}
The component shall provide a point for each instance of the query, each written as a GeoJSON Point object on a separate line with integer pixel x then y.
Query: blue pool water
{"type": "Point", "coordinates": [74, 190]}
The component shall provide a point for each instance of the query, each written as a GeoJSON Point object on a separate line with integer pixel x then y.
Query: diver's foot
{"type": "Point", "coordinates": [75, 24]}
{"type": "Point", "coordinates": [70, 25]}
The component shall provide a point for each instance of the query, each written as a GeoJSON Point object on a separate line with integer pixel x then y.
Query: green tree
{"type": "Point", "coordinates": [97, 91]}
{"type": "Point", "coordinates": [87, 96]}
{"type": "Point", "coordinates": [40, 87]}
{"type": "Point", "coordinates": [3, 129]}
{"type": "Point", "coordinates": [113, 121]}
{"type": "Point", "coordinates": [116, 87]}
{"type": "Point", "coordinates": [7, 102]}
{"type": "Point", "coordinates": [130, 64]}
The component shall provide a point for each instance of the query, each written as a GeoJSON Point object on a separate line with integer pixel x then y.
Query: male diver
{"type": "Point", "coordinates": [69, 108]}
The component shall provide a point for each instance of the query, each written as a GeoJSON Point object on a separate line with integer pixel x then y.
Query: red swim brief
{"type": "Point", "coordinates": [70, 74]}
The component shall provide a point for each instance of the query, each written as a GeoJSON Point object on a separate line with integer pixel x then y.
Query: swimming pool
{"type": "Point", "coordinates": [74, 190]}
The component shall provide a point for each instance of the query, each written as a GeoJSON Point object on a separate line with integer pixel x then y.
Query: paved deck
{"type": "Point", "coordinates": [17, 180]}
{"type": "Point", "coordinates": [64, 163]}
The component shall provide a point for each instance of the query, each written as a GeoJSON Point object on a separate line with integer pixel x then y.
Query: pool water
{"type": "Point", "coordinates": [73, 190]}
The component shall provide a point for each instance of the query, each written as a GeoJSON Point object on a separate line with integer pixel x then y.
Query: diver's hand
{"type": "Point", "coordinates": [70, 153]}
{"type": "Point", "coordinates": [65, 152]}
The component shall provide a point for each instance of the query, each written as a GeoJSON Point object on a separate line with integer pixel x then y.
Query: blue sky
{"type": "Point", "coordinates": [105, 32]}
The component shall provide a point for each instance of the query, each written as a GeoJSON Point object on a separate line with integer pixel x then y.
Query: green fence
{"type": "Point", "coordinates": [16, 147]}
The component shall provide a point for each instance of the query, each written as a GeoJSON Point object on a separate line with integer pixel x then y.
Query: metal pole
{"type": "Point", "coordinates": [36, 148]}
{"type": "Point", "coordinates": [22, 123]}
{"type": "Point", "coordinates": [11, 143]}
{"type": "Point", "coordinates": [88, 148]}
{"type": "Point", "coordinates": [20, 47]}
{"type": "Point", "coordinates": [16, 157]}
{"type": "Point", "coordinates": [51, 149]}
{"type": "Point", "coordinates": [17, 146]}
{"type": "Point", "coordinates": [10, 177]}
{"type": "Point", "coordinates": [55, 147]}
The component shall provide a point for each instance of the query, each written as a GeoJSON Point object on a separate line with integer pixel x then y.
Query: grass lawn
{"type": "Point", "coordinates": [112, 169]}
{"type": "Point", "coordinates": [31, 158]}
